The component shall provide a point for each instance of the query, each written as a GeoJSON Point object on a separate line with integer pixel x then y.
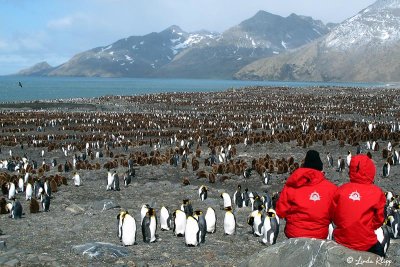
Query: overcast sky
{"type": "Point", "coordinates": [54, 30]}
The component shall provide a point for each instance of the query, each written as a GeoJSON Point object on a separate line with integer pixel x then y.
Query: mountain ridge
{"type": "Point", "coordinates": [364, 48]}
{"type": "Point", "coordinates": [202, 54]}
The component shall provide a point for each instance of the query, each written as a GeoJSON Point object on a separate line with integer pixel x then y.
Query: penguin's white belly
{"type": "Point", "coordinates": [210, 221]}
{"type": "Point", "coordinates": [191, 233]}
{"type": "Point", "coordinates": [229, 224]}
{"type": "Point", "coordinates": [128, 231]}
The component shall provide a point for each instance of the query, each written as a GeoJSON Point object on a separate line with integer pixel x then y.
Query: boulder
{"type": "Point", "coordinates": [312, 252]}
{"type": "Point", "coordinates": [3, 245]}
{"type": "Point", "coordinates": [100, 250]}
{"type": "Point", "coordinates": [75, 209]}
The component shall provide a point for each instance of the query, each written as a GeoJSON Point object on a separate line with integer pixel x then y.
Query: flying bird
{"type": "Point", "coordinates": [20, 84]}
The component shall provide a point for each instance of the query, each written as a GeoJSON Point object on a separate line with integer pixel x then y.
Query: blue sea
{"type": "Point", "coordinates": [51, 88]}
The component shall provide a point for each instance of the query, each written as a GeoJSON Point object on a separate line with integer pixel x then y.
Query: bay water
{"type": "Point", "coordinates": [53, 88]}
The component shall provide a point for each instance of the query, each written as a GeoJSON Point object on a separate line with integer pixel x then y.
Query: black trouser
{"type": "Point", "coordinates": [377, 249]}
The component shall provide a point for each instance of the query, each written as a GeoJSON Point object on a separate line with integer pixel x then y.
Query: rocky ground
{"type": "Point", "coordinates": [87, 214]}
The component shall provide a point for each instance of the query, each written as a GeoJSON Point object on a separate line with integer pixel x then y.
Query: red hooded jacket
{"type": "Point", "coordinates": [304, 203]}
{"type": "Point", "coordinates": [357, 208]}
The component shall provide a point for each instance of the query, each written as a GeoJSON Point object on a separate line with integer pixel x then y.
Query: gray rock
{"type": "Point", "coordinates": [100, 250]}
{"type": "Point", "coordinates": [105, 204]}
{"type": "Point", "coordinates": [75, 209]}
{"type": "Point", "coordinates": [13, 262]}
{"type": "Point", "coordinates": [310, 252]}
{"type": "Point", "coordinates": [164, 184]}
{"type": "Point", "coordinates": [3, 245]}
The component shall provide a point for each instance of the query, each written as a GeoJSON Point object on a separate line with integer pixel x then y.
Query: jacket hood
{"type": "Point", "coordinates": [305, 176]}
{"type": "Point", "coordinates": [362, 170]}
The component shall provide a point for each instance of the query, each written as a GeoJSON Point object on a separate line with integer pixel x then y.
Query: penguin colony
{"type": "Point", "coordinates": [205, 143]}
{"type": "Point", "coordinates": [194, 225]}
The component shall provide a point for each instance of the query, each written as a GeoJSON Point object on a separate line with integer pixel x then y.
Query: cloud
{"type": "Point", "coordinates": [70, 21]}
{"type": "Point", "coordinates": [34, 41]}
{"type": "Point", "coordinates": [3, 44]}
{"type": "Point", "coordinates": [60, 23]}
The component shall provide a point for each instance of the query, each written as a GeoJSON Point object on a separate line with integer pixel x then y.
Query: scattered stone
{"type": "Point", "coordinates": [75, 209]}
{"type": "Point", "coordinates": [13, 262]}
{"type": "Point", "coordinates": [3, 245]}
{"type": "Point", "coordinates": [105, 204]}
{"type": "Point", "coordinates": [100, 250]}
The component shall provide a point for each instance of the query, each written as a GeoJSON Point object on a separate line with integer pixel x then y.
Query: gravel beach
{"type": "Point", "coordinates": [80, 228]}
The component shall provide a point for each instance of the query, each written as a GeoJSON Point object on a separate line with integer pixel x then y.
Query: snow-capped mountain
{"type": "Point", "coordinates": [365, 47]}
{"type": "Point", "coordinates": [176, 53]}
{"type": "Point", "coordinates": [136, 56]}
{"type": "Point", "coordinates": [375, 25]}
{"type": "Point", "coordinates": [263, 35]}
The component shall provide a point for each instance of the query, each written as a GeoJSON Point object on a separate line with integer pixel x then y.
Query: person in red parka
{"type": "Point", "coordinates": [357, 208]}
{"type": "Point", "coordinates": [305, 199]}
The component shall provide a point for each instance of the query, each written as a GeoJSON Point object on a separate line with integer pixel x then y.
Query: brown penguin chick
{"type": "Point", "coordinates": [34, 206]}
{"type": "Point", "coordinates": [185, 181]}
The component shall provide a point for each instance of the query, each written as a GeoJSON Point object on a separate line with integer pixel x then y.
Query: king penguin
{"type": "Point", "coordinates": [149, 226]}
{"type": "Point", "coordinates": [229, 222]}
{"type": "Point", "coordinates": [187, 207]}
{"type": "Point", "coordinates": [16, 210]}
{"type": "Point", "coordinates": [386, 169]}
{"type": "Point", "coordinates": [331, 227]}
{"type": "Point", "coordinates": [267, 201]}
{"type": "Point", "coordinates": [192, 232]}
{"type": "Point", "coordinates": [127, 178]}
{"type": "Point", "coordinates": [211, 220]}
{"type": "Point", "coordinates": [394, 221]}
{"type": "Point", "coordinates": [348, 158]}
{"type": "Point", "coordinates": [28, 191]}
{"type": "Point", "coordinates": [11, 190]}
{"type": "Point", "coordinates": [116, 181]}
{"type": "Point", "coordinates": [47, 188]}
{"type": "Point", "coordinates": [256, 220]}
{"type": "Point", "coordinates": [237, 197]}
{"type": "Point", "coordinates": [227, 200]}
{"type": "Point", "coordinates": [266, 176]}
{"type": "Point", "coordinates": [165, 219]}
{"type": "Point", "coordinates": [110, 181]}
{"type": "Point", "coordinates": [179, 223]}
{"type": "Point", "coordinates": [270, 227]}
{"type": "Point", "coordinates": [37, 186]}
{"type": "Point", "coordinates": [201, 220]}
{"type": "Point", "coordinates": [203, 192]}
{"type": "Point", "coordinates": [257, 204]}
{"type": "Point", "coordinates": [246, 198]}
{"type": "Point", "coordinates": [383, 236]}
{"type": "Point", "coordinates": [46, 203]}
{"type": "Point", "coordinates": [126, 228]}
{"type": "Point", "coordinates": [77, 179]}
{"type": "Point", "coordinates": [143, 211]}
{"type": "Point", "coordinates": [20, 185]}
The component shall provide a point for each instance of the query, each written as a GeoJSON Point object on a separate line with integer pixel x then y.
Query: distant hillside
{"type": "Point", "coordinates": [176, 53]}
{"type": "Point", "coordinates": [263, 35]}
{"type": "Point", "coordinates": [38, 69]}
{"type": "Point", "coordinates": [364, 48]}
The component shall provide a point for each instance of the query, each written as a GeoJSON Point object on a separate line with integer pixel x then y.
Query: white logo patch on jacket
{"type": "Point", "coordinates": [315, 196]}
{"type": "Point", "coordinates": [355, 196]}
